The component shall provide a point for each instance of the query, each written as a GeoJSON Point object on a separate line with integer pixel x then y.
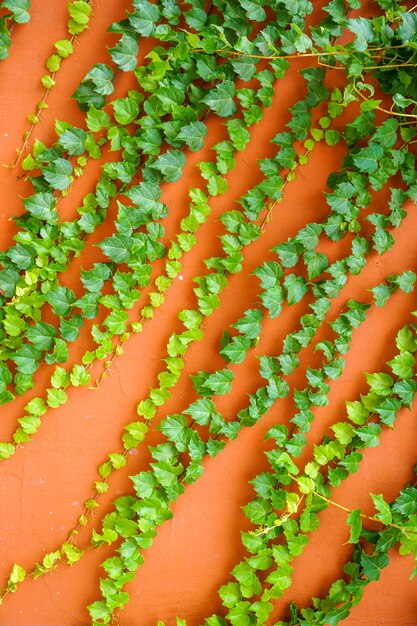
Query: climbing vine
{"type": "Point", "coordinates": [106, 230]}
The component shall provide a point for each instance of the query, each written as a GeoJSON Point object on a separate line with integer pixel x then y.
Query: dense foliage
{"type": "Point", "coordinates": [221, 61]}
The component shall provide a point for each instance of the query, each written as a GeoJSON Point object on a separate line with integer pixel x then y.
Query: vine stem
{"type": "Point", "coordinates": [372, 518]}
{"type": "Point", "coordinates": [301, 55]}
{"type": "Point", "coordinates": [42, 101]}
{"type": "Point", "coordinates": [387, 111]}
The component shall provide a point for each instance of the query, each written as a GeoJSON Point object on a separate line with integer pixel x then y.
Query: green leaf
{"type": "Point", "coordinates": [367, 159]}
{"type": "Point", "coordinates": [58, 174]}
{"type": "Point", "coordinates": [64, 48]}
{"type": "Point", "coordinates": [250, 324]}
{"type": "Point", "coordinates": [403, 365]}
{"type": "Point", "coordinates": [19, 9]}
{"type": "Point", "coordinates": [201, 411]}
{"type": "Point", "coordinates": [125, 53]}
{"type": "Point", "coordinates": [296, 287]}
{"type": "Point", "coordinates": [42, 206]}
{"type": "Point", "coordinates": [22, 255]}
{"type": "Point", "coordinates": [97, 120]}
{"type": "Point", "coordinates": [174, 428]}
{"type": "Point", "coordinates": [193, 135]}
{"type": "Point", "coordinates": [102, 77]}
{"type": "Point", "coordinates": [238, 133]}
{"type": "Point", "coordinates": [117, 248]}
{"type": "Point", "coordinates": [144, 18]}
{"type": "Point", "coordinates": [61, 299]}
{"type": "Point", "coordinates": [406, 340]}
{"type": "Point", "coordinates": [73, 141]}
{"type": "Point", "coordinates": [170, 165]}
{"type": "Point", "coordinates": [372, 565]}
{"type": "Point", "coordinates": [79, 11]}
{"type": "Point", "coordinates": [79, 376]}
{"type": "Point", "coordinates": [126, 110]}
{"type": "Point", "coordinates": [235, 351]}
{"type": "Point", "coordinates": [116, 322]}
{"type": "Point", "coordinates": [27, 359]}
{"type": "Point", "coordinates": [405, 281]}
{"type": "Point", "coordinates": [386, 134]}
{"type": "Point", "coordinates": [381, 294]}
{"type": "Point", "coordinates": [221, 99]}
{"type": "Point", "coordinates": [384, 511]}
{"type": "Point", "coordinates": [380, 383]}
{"type": "Point", "coordinates": [354, 519]}
{"type": "Point", "coordinates": [56, 397]}
{"type": "Point", "coordinates": [220, 383]}
{"type": "Point", "coordinates": [8, 281]}
{"type": "Point", "coordinates": [6, 450]}
{"type": "Point", "coordinates": [42, 335]}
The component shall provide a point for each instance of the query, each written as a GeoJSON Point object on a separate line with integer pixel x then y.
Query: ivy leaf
{"type": "Point", "coordinates": [250, 324]}
{"type": "Point", "coordinates": [27, 359]}
{"type": "Point", "coordinates": [296, 287]}
{"type": "Point", "coordinates": [254, 10]}
{"type": "Point", "coordinates": [61, 299]}
{"type": "Point", "coordinates": [79, 11]}
{"type": "Point", "coordinates": [221, 99]}
{"type": "Point", "coordinates": [386, 134]}
{"type": "Point", "coordinates": [367, 159]}
{"type": "Point", "coordinates": [175, 428]}
{"type": "Point", "coordinates": [73, 141]}
{"type": "Point", "coordinates": [381, 294]}
{"type": "Point", "coordinates": [125, 110]}
{"type": "Point", "coordinates": [406, 503]}
{"type": "Point", "coordinates": [238, 133]}
{"type": "Point", "coordinates": [219, 383]}
{"type": "Point", "coordinates": [363, 30]}
{"type": "Point", "coordinates": [406, 340]}
{"type": "Point", "coordinates": [19, 9]}
{"type": "Point", "coordinates": [235, 351]}
{"type": "Point", "coordinates": [42, 206]}
{"type": "Point", "coordinates": [354, 519]}
{"type": "Point", "coordinates": [405, 281]}
{"type": "Point", "coordinates": [403, 365]}
{"type": "Point", "coordinates": [387, 410]}
{"type": "Point", "coordinates": [269, 274]}
{"type": "Point", "coordinates": [372, 565]}
{"type": "Point", "coordinates": [101, 76]}
{"type": "Point", "coordinates": [144, 18]}
{"type": "Point", "coordinates": [70, 329]}
{"type": "Point", "coordinates": [93, 280]}
{"type": "Point", "coordinates": [42, 335]}
{"type": "Point", "coordinates": [380, 383]}
{"type": "Point", "coordinates": [193, 135]}
{"type": "Point", "coordinates": [125, 53]}
{"type": "Point", "coordinates": [5, 40]}
{"type": "Point", "coordinates": [289, 252]}
{"type": "Point", "coordinates": [22, 256]}
{"type": "Point", "coordinates": [170, 165]}
{"type": "Point", "coordinates": [201, 411]}
{"type": "Point", "coordinates": [97, 120]}
{"type": "Point", "coordinates": [58, 174]}
{"type": "Point", "coordinates": [117, 248]}
{"type": "Point", "coordinates": [384, 511]}
{"type": "Point", "coordinates": [8, 281]}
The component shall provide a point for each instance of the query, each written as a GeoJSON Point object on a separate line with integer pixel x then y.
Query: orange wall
{"type": "Point", "coordinates": [43, 486]}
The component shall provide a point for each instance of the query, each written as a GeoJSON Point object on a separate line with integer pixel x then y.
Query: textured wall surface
{"type": "Point", "coordinates": [43, 486]}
